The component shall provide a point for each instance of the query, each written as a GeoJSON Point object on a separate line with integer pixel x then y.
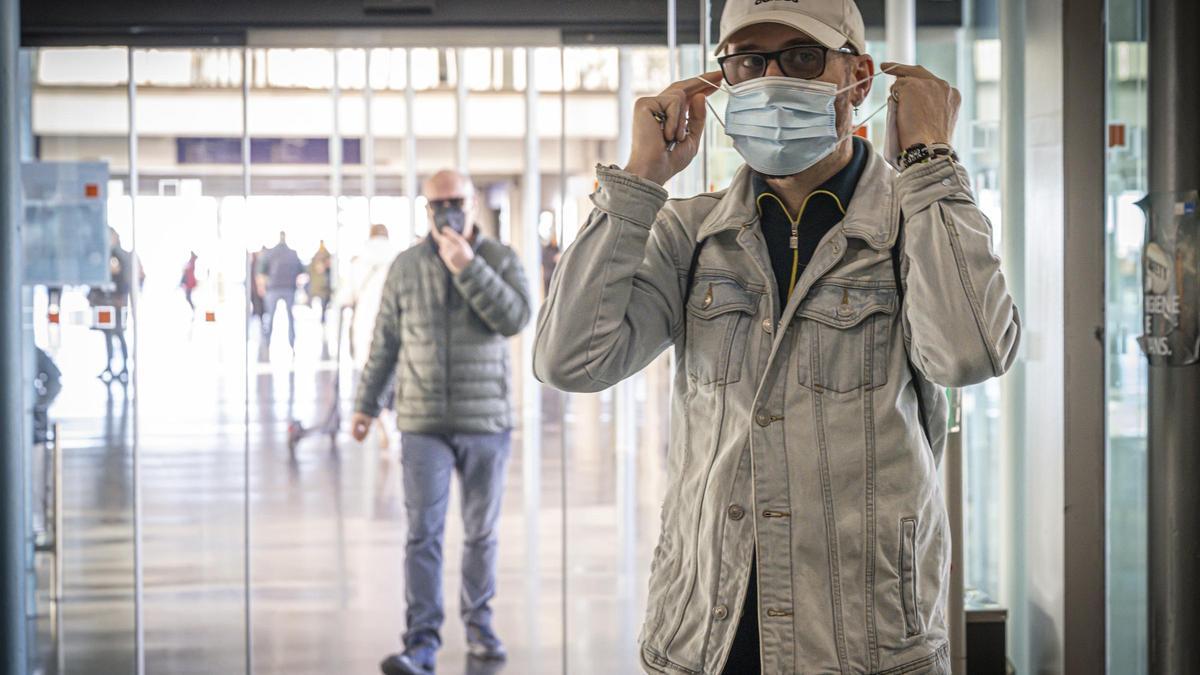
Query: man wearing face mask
{"type": "Point", "coordinates": [816, 307]}
{"type": "Point", "coordinates": [448, 306]}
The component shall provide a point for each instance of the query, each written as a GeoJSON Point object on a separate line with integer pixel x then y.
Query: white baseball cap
{"type": "Point", "coordinates": [833, 23]}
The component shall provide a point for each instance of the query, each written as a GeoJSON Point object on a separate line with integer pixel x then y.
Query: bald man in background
{"type": "Point", "coordinates": [448, 307]}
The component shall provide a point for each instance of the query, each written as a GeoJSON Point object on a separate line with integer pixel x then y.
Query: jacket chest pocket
{"type": "Point", "coordinates": [842, 345]}
{"type": "Point", "coordinates": [720, 311]}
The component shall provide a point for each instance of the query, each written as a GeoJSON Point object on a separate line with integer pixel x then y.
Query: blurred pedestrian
{"type": "Point", "coordinates": [362, 291]}
{"type": "Point", "coordinates": [188, 281]}
{"type": "Point", "coordinates": [279, 270]}
{"type": "Point", "coordinates": [113, 298]}
{"type": "Point", "coordinates": [320, 281]}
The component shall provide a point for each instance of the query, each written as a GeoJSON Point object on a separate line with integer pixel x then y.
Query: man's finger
{"type": "Point", "coordinates": [904, 70]}
{"type": "Point", "coordinates": [453, 237]}
{"type": "Point", "coordinates": [674, 125]}
{"type": "Point", "coordinates": [707, 83]}
{"type": "Point", "coordinates": [669, 102]}
{"type": "Point", "coordinates": [698, 112]}
{"type": "Point", "coordinates": [684, 119]}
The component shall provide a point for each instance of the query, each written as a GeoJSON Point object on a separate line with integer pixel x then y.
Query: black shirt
{"type": "Point", "coordinates": [823, 209]}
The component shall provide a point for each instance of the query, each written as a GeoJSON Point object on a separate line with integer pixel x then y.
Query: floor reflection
{"type": "Point", "coordinates": [326, 521]}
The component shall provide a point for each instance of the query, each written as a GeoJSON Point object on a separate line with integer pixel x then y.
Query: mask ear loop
{"type": "Point", "coordinates": [882, 71]}
{"type": "Point", "coordinates": [708, 103]}
{"type": "Point", "coordinates": [867, 119]}
{"type": "Point", "coordinates": [863, 123]}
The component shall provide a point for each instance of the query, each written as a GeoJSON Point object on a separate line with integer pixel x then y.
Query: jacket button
{"type": "Point", "coordinates": [736, 512]}
{"type": "Point", "coordinates": [762, 418]}
{"type": "Point", "coordinates": [768, 327]}
{"type": "Point", "coordinates": [720, 612]}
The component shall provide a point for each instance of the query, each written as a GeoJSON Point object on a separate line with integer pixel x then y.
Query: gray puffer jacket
{"type": "Point", "coordinates": [444, 336]}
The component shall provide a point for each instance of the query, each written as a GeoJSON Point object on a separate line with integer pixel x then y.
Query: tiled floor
{"type": "Point", "coordinates": [326, 525]}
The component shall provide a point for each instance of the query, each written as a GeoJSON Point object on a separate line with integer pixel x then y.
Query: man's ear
{"type": "Point", "coordinates": [863, 68]}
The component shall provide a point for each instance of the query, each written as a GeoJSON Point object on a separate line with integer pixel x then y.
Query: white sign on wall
{"type": "Point", "coordinates": [65, 228]}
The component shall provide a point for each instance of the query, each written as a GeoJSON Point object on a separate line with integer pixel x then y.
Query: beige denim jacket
{"type": "Point", "coordinates": [795, 430]}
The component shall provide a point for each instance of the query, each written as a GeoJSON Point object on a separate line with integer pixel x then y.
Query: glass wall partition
{"type": "Point", "coordinates": [82, 275]}
{"type": "Point", "coordinates": [190, 219]}
{"type": "Point", "coordinates": [1126, 377]}
{"type": "Point", "coordinates": [328, 515]}
{"type": "Point", "coordinates": [324, 511]}
{"type": "Point", "coordinates": [264, 524]}
{"type": "Point", "coordinates": [271, 541]}
{"type": "Point", "coordinates": [615, 441]}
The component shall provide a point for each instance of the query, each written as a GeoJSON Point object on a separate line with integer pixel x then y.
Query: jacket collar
{"type": "Point", "coordinates": [870, 215]}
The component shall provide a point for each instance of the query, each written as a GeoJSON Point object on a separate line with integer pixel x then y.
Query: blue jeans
{"type": "Point", "coordinates": [271, 299]}
{"type": "Point", "coordinates": [428, 461]}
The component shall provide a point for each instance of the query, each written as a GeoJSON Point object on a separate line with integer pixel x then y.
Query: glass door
{"type": "Point", "coordinates": [81, 318]}
{"type": "Point", "coordinates": [1126, 377]}
{"type": "Point", "coordinates": [190, 217]}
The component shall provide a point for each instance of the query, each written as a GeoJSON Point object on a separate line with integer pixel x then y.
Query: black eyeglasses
{"type": "Point", "coordinates": [451, 203]}
{"type": "Point", "coordinates": [806, 62]}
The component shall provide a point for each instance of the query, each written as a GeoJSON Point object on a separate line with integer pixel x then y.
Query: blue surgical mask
{"type": "Point", "coordinates": [784, 125]}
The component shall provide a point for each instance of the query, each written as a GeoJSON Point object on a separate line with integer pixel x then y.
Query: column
{"type": "Point", "coordinates": [12, 448]}
{"type": "Point", "coordinates": [529, 248]}
{"type": "Point", "coordinates": [624, 105]}
{"type": "Point", "coordinates": [1174, 451]}
{"type": "Point", "coordinates": [410, 144]}
{"type": "Point", "coordinates": [901, 25]}
{"type": "Point", "coordinates": [368, 142]}
{"type": "Point", "coordinates": [461, 132]}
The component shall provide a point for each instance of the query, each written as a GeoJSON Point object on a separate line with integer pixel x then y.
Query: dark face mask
{"type": "Point", "coordinates": [451, 216]}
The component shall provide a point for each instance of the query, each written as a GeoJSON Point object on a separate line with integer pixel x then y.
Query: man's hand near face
{"type": "Point", "coordinates": [926, 105]}
{"type": "Point", "coordinates": [681, 107]}
{"type": "Point", "coordinates": [453, 248]}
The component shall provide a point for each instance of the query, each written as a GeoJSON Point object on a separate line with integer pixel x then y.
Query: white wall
{"type": "Point", "coordinates": [273, 113]}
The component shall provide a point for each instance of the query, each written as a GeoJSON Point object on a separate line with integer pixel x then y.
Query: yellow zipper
{"type": "Point", "coordinates": [794, 241]}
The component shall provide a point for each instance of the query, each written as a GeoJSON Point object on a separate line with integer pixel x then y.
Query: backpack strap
{"type": "Point", "coordinates": [691, 275]}
{"type": "Point", "coordinates": [912, 370]}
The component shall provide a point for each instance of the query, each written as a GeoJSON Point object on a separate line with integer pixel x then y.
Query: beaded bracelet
{"type": "Point", "coordinates": [921, 153]}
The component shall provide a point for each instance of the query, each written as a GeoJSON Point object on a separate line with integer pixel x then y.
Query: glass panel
{"type": "Point", "coordinates": [329, 518]}
{"type": "Point", "coordinates": [78, 321]}
{"type": "Point", "coordinates": [975, 64]}
{"type": "Point", "coordinates": [308, 505]}
{"type": "Point", "coordinates": [538, 463]}
{"type": "Point", "coordinates": [615, 441]}
{"type": "Point", "coordinates": [434, 123]}
{"type": "Point", "coordinates": [190, 220]}
{"type": "Point", "coordinates": [1126, 377]}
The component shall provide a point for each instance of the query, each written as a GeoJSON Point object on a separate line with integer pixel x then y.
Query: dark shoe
{"type": "Point", "coordinates": [483, 644]}
{"type": "Point", "coordinates": [419, 660]}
